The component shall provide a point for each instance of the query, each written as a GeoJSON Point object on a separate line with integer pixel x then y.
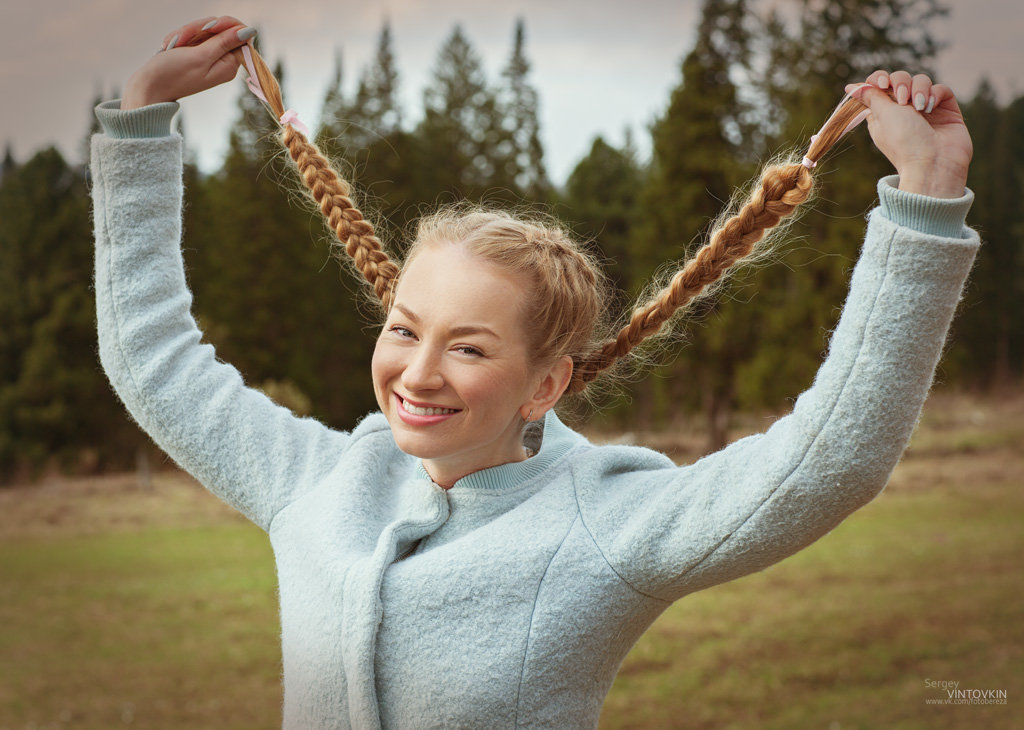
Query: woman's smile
{"type": "Point", "coordinates": [422, 414]}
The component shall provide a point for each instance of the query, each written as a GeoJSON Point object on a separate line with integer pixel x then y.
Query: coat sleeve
{"type": "Point", "coordinates": [250, 452]}
{"type": "Point", "coordinates": [668, 530]}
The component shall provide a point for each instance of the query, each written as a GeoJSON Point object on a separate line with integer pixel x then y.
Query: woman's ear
{"type": "Point", "coordinates": [552, 385]}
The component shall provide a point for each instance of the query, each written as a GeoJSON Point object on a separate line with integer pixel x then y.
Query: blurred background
{"type": "Point", "coordinates": [632, 125]}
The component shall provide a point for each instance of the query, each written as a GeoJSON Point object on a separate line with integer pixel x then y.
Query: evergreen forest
{"type": "Point", "coordinates": [269, 296]}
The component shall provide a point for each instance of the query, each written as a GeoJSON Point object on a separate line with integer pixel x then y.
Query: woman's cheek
{"type": "Point", "coordinates": [379, 367]}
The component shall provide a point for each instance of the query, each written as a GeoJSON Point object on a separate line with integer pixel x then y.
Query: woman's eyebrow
{"type": "Point", "coordinates": [461, 330]}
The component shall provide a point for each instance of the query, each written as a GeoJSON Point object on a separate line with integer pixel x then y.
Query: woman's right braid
{"type": "Point", "coordinates": [330, 192]}
{"type": "Point", "coordinates": [352, 229]}
{"type": "Point", "coordinates": [782, 189]}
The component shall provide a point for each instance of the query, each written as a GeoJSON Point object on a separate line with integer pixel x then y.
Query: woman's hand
{"type": "Point", "coordinates": [921, 131]}
{"type": "Point", "coordinates": [194, 58]}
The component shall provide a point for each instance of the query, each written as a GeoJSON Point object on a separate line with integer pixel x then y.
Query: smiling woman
{"type": "Point", "coordinates": [462, 558]}
{"type": "Point", "coordinates": [452, 370]}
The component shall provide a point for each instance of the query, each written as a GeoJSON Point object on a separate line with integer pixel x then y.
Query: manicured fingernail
{"type": "Point", "coordinates": [171, 43]}
{"type": "Point", "coordinates": [883, 83]}
{"type": "Point", "coordinates": [919, 102]}
{"type": "Point", "coordinates": [931, 105]}
{"type": "Point", "coordinates": [210, 24]}
{"type": "Point", "coordinates": [902, 94]}
{"type": "Point", "coordinates": [246, 33]}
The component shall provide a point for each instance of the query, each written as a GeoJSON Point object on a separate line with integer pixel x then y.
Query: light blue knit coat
{"type": "Point", "coordinates": [509, 600]}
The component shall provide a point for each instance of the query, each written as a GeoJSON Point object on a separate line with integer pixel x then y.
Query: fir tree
{"type": "Point", "coordinates": [9, 164]}
{"type": "Point", "coordinates": [55, 406]}
{"type": "Point", "coordinates": [601, 199]}
{"type": "Point", "coordinates": [376, 99]}
{"type": "Point", "coordinates": [334, 113]}
{"type": "Point", "coordinates": [524, 153]}
{"type": "Point", "coordinates": [832, 44]}
{"type": "Point", "coordinates": [695, 166]}
{"type": "Point", "coordinates": [460, 135]}
{"type": "Point", "coordinates": [989, 336]}
{"type": "Point", "coordinates": [267, 295]}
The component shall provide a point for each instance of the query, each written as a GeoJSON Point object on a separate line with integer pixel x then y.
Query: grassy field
{"type": "Point", "coordinates": [157, 609]}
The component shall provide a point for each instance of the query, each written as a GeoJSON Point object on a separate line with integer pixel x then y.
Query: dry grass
{"type": "Point", "coordinates": [157, 608]}
{"type": "Point", "coordinates": [99, 505]}
{"type": "Point", "coordinates": [925, 583]}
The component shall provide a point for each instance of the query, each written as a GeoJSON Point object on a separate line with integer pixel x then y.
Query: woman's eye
{"type": "Point", "coordinates": [401, 331]}
{"type": "Point", "coordinates": [466, 349]}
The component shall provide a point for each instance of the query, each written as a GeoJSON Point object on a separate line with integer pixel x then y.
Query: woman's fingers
{"type": "Point", "coordinates": [945, 99]}
{"type": "Point", "coordinates": [879, 79]}
{"type": "Point", "coordinates": [901, 82]}
{"type": "Point", "coordinates": [223, 64]}
{"type": "Point", "coordinates": [918, 91]}
{"type": "Point", "coordinates": [181, 36]}
{"type": "Point", "coordinates": [918, 126]}
{"type": "Point", "coordinates": [199, 30]}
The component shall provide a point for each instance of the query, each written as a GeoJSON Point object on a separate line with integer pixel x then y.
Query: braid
{"type": "Point", "coordinates": [352, 229]}
{"type": "Point", "coordinates": [332, 195]}
{"type": "Point", "coordinates": [782, 188]}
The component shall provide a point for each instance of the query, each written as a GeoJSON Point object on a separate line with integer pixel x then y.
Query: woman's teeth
{"type": "Point", "coordinates": [417, 411]}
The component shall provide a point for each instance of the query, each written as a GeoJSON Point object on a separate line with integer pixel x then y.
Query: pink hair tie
{"type": "Point", "coordinates": [253, 82]}
{"type": "Point", "coordinates": [290, 117]}
{"type": "Point", "coordinates": [808, 162]}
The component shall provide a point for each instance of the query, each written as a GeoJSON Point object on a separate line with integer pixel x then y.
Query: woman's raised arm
{"type": "Point", "coordinates": [669, 531]}
{"type": "Point", "coordinates": [254, 454]}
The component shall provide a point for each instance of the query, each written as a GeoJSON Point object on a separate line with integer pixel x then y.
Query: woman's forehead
{"type": "Point", "coordinates": [451, 286]}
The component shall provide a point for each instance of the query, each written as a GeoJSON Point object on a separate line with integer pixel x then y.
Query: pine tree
{"type": "Point", "coordinates": [55, 406]}
{"type": "Point", "coordinates": [376, 99]}
{"type": "Point", "coordinates": [365, 139]}
{"type": "Point", "coordinates": [461, 132]}
{"type": "Point", "coordinates": [524, 153]}
{"type": "Point", "coordinates": [696, 164]}
{"type": "Point", "coordinates": [833, 43]}
{"type": "Point", "coordinates": [601, 200]}
{"type": "Point", "coordinates": [334, 113]}
{"type": "Point", "coordinates": [348, 129]}
{"type": "Point", "coordinates": [988, 334]}
{"type": "Point", "coordinates": [9, 164]}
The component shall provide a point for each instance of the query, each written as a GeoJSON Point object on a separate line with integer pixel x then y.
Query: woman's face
{"type": "Point", "coordinates": [451, 370]}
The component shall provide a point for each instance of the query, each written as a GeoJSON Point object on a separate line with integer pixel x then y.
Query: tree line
{"type": "Point", "coordinates": [270, 299]}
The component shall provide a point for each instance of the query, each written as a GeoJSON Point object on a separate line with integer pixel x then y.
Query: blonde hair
{"type": "Point", "coordinates": [567, 303]}
{"type": "Point", "coordinates": [568, 289]}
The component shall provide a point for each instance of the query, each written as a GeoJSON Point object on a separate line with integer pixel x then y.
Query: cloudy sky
{"type": "Point", "coordinates": [600, 66]}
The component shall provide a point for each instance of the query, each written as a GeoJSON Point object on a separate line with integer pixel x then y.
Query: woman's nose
{"type": "Point", "coordinates": [423, 371]}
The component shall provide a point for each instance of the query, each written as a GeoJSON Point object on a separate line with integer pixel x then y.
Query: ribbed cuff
{"type": "Point", "coordinates": [146, 121]}
{"type": "Point", "coordinates": [934, 216]}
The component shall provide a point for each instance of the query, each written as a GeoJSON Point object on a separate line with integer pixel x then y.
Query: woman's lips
{"type": "Point", "coordinates": [425, 414]}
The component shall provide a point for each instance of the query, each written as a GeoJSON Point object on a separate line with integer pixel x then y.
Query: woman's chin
{"type": "Point", "coordinates": [418, 445]}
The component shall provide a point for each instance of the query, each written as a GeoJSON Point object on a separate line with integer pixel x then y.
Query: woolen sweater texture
{"type": "Point", "coordinates": [510, 599]}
